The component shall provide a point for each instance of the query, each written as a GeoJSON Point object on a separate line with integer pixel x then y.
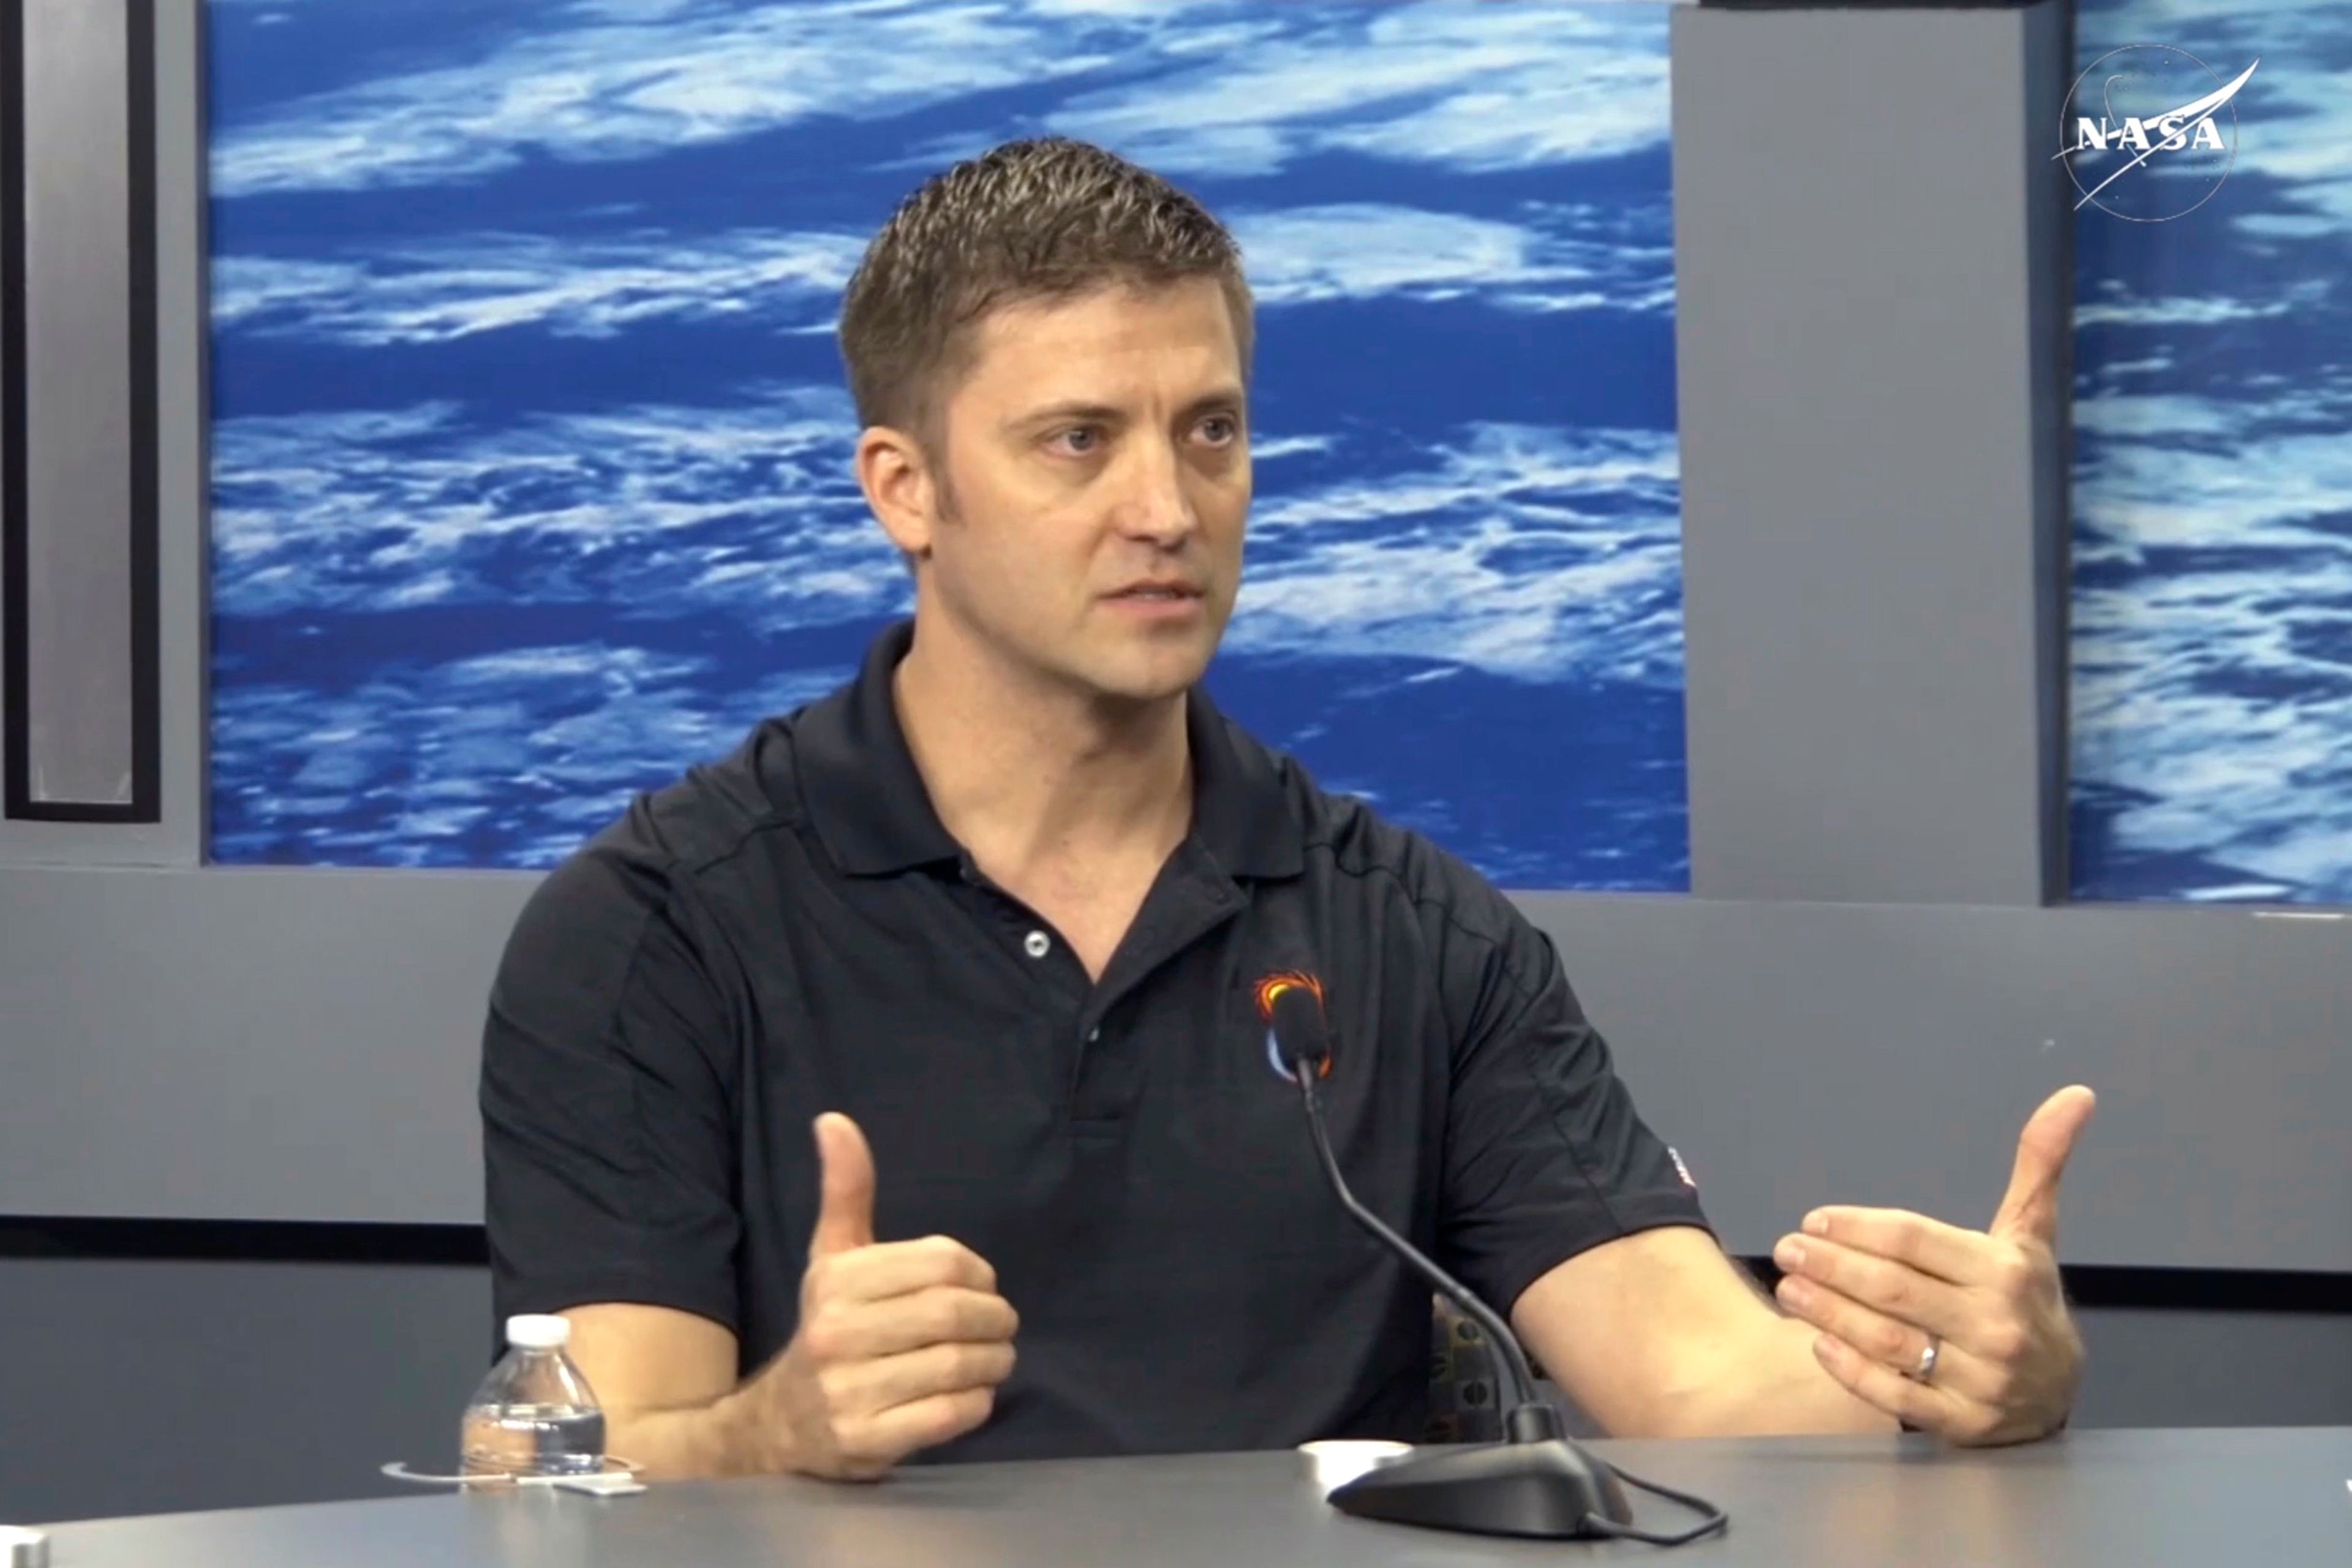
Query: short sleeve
{"type": "Point", "coordinates": [608, 1143]}
{"type": "Point", "coordinates": [1545, 1156]}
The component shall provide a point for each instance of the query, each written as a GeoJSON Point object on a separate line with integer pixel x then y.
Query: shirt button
{"type": "Point", "coordinates": [1036, 944]}
{"type": "Point", "coordinates": [1093, 1034]}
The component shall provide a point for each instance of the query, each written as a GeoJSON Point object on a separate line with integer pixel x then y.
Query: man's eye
{"type": "Point", "coordinates": [1221, 429]}
{"type": "Point", "coordinates": [1080, 440]}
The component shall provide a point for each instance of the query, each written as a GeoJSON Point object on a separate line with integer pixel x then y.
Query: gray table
{"type": "Point", "coordinates": [2261, 1498]}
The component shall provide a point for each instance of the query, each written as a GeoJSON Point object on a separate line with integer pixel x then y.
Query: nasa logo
{"type": "Point", "coordinates": [2156, 146]}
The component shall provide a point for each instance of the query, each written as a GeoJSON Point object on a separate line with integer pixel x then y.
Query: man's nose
{"type": "Point", "coordinates": [1155, 506]}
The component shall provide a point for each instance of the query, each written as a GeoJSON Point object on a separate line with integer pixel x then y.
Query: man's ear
{"type": "Point", "coordinates": [896, 475]}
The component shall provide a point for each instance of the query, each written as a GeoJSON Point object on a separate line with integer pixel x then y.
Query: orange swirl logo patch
{"type": "Point", "coordinates": [1271, 986]}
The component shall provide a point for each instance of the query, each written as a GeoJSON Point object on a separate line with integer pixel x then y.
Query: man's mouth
{"type": "Point", "coordinates": [1158, 593]}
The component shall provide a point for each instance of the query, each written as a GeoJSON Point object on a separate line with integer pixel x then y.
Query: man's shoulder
{"type": "Point", "coordinates": [676, 838]}
{"type": "Point", "coordinates": [707, 817]}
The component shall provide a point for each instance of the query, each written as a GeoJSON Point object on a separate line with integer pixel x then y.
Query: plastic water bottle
{"type": "Point", "coordinates": [534, 1415]}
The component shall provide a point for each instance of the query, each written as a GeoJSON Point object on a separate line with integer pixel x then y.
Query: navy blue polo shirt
{"type": "Point", "coordinates": [791, 931]}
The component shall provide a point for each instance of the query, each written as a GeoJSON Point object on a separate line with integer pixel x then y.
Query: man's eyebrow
{"type": "Point", "coordinates": [1075, 410]}
{"type": "Point", "coordinates": [1078, 411]}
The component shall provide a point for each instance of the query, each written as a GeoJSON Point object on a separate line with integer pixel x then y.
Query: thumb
{"type": "Point", "coordinates": [844, 1211]}
{"type": "Point", "coordinates": [2030, 1208]}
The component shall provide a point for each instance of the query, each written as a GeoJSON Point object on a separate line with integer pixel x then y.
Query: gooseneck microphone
{"type": "Point", "coordinates": [1303, 1044]}
{"type": "Point", "coordinates": [1535, 1482]}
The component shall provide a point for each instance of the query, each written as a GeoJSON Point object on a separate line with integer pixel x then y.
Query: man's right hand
{"type": "Point", "coordinates": [901, 1345]}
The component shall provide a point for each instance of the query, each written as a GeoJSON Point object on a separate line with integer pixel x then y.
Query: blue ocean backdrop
{"type": "Point", "coordinates": [2213, 647]}
{"type": "Point", "coordinates": [530, 448]}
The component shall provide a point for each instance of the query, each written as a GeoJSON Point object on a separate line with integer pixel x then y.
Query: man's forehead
{"type": "Point", "coordinates": [1071, 346]}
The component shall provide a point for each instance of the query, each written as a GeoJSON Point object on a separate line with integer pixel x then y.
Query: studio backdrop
{"type": "Point", "coordinates": [531, 453]}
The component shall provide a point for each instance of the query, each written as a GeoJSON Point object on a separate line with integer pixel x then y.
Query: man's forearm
{"type": "Point", "coordinates": [1659, 1334]}
{"type": "Point", "coordinates": [722, 1437]}
{"type": "Point", "coordinates": [1773, 1386]}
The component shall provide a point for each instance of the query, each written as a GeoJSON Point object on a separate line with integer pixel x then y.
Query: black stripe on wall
{"type": "Point", "coordinates": [243, 1241]}
{"type": "Point", "coordinates": [146, 640]}
{"type": "Point", "coordinates": [2110, 1285]}
{"type": "Point", "coordinates": [459, 1246]}
{"type": "Point", "coordinates": [13, 697]}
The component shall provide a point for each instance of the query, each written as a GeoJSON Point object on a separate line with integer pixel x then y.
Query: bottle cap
{"type": "Point", "coordinates": [538, 1332]}
{"type": "Point", "coordinates": [26, 1547]}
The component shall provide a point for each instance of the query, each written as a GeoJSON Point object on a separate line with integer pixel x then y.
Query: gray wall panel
{"type": "Point", "coordinates": [301, 1045]}
{"type": "Point", "coordinates": [150, 1387]}
{"type": "Point", "coordinates": [244, 1045]}
{"type": "Point", "coordinates": [1800, 1053]}
{"type": "Point", "coordinates": [79, 718]}
{"type": "Point", "coordinates": [2155, 1368]}
{"type": "Point", "coordinates": [232, 1409]}
{"type": "Point", "coordinates": [1867, 391]}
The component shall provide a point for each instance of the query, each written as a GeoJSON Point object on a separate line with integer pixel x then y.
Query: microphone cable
{"type": "Point", "coordinates": [1530, 1417]}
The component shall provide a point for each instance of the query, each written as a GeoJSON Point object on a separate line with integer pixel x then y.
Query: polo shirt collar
{"type": "Point", "coordinates": [863, 795]}
{"type": "Point", "coordinates": [1241, 802]}
{"type": "Point", "coordinates": [870, 809]}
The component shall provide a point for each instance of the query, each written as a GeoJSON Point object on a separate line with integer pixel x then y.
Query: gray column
{"type": "Point", "coordinates": [1870, 246]}
{"type": "Point", "coordinates": [114, 424]}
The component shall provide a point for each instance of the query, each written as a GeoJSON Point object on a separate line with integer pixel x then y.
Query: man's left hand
{"type": "Point", "coordinates": [1883, 1284]}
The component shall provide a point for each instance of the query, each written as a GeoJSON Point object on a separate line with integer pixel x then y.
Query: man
{"type": "Point", "coordinates": [1003, 902]}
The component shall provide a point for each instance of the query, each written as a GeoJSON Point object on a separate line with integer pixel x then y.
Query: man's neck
{"type": "Point", "coordinates": [1053, 791]}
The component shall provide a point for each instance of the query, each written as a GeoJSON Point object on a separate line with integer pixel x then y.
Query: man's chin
{"type": "Point", "coordinates": [1151, 674]}
{"type": "Point", "coordinates": [1144, 691]}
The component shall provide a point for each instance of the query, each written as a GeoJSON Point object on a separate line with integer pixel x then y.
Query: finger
{"type": "Point", "coordinates": [1873, 1333]}
{"type": "Point", "coordinates": [889, 1435]}
{"type": "Point", "coordinates": [1930, 1408]}
{"type": "Point", "coordinates": [844, 1211]}
{"type": "Point", "coordinates": [891, 1269]}
{"type": "Point", "coordinates": [1898, 1346]}
{"type": "Point", "coordinates": [2030, 1208]}
{"type": "Point", "coordinates": [1929, 1246]}
{"type": "Point", "coordinates": [944, 1315]}
{"type": "Point", "coordinates": [1898, 1290]}
{"type": "Point", "coordinates": [866, 1387]}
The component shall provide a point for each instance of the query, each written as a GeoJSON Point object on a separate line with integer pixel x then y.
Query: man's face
{"type": "Point", "coordinates": [1094, 483]}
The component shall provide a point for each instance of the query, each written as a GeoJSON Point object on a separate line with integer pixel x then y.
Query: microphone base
{"type": "Point", "coordinates": [1549, 1489]}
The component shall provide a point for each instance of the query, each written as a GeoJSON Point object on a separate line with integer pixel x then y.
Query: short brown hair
{"type": "Point", "coordinates": [1041, 219]}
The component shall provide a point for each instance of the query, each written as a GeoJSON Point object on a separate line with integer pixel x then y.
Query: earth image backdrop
{"type": "Point", "coordinates": [530, 447]}
{"type": "Point", "coordinates": [2213, 647]}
